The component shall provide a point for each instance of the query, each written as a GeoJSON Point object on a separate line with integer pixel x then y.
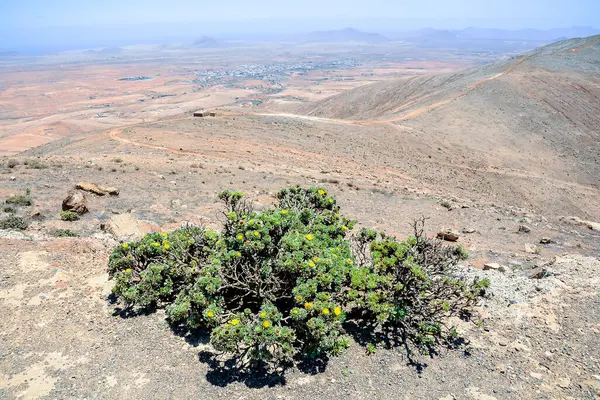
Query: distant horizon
{"type": "Point", "coordinates": [70, 24]}
{"type": "Point", "coordinates": [60, 39]}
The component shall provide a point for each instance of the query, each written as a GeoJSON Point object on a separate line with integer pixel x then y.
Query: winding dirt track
{"type": "Point", "coordinates": [591, 43]}
{"type": "Point", "coordinates": [114, 134]}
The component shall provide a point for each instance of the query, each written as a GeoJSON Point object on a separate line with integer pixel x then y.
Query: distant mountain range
{"type": "Point", "coordinates": [549, 35]}
{"type": "Point", "coordinates": [341, 36]}
{"type": "Point", "coordinates": [207, 42]}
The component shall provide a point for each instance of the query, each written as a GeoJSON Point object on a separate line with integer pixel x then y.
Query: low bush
{"type": "Point", "coordinates": [14, 222]}
{"type": "Point", "coordinates": [7, 209]}
{"type": "Point", "coordinates": [34, 164]}
{"type": "Point", "coordinates": [20, 200]}
{"type": "Point", "coordinates": [69, 216]}
{"type": "Point", "coordinates": [64, 233]}
{"type": "Point", "coordinates": [12, 163]}
{"type": "Point", "coordinates": [287, 282]}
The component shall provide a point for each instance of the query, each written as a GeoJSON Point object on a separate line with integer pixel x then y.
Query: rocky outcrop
{"type": "Point", "coordinates": [76, 202]}
{"type": "Point", "coordinates": [96, 189]}
{"type": "Point", "coordinates": [127, 228]}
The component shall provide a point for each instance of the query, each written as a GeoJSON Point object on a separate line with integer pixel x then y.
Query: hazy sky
{"type": "Point", "coordinates": [504, 13]}
{"type": "Point", "coordinates": [53, 25]}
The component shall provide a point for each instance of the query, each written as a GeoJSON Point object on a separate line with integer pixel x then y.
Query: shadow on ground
{"type": "Point", "coordinates": [223, 371]}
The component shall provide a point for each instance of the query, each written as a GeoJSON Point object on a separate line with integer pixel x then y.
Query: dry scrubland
{"type": "Point", "coordinates": [504, 155]}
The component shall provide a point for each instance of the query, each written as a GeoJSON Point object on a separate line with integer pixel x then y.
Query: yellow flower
{"type": "Point", "coordinates": [164, 235]}
{"type": "Point", "coordinates": [128, 271]}
{"type": "Point", "coordinates": [234, 322]}
{"type": "Point", "coordinates": [126, 246]}
{"type": "Point", "coordinates": [310, 236]}
{"type": "Point", "coordinates": [307, 305]}
{"type": "Point", "coordinates": [344, 228]}
{"type": "Point", "coordinates": [267, 324]}
{"type": "Point", "coordinates": [166, 246]}
{"type": "Point", "coordinates": [210, 314]}
{"type": "Point", "coordinates": [299, 298]}
{"type": "Point", "coordinates": [330, 201]}
{"type": "Point", "coordinates": [256, 233]}
{"type": "Point", "coordinates": [316, 259]}
{"type": "Point", "coordinates": [250, 221]}
{"type": "Point", "coordinates": [240, 236]}
{"type": "Point", "coordinates": [263, 314]}
{"type": "Point", "coordinates": [284, 212]}
{"type": "Point", "coordinates": [325, 311]}
{"type": "Point", "coordinates": [348, 261]}
{"type": "Point", "coordinates": [311, 264]}
{"type": "Point", "coordinates": [155, 244]}
{"type": "Point", "coordinates": [238, 254]}
{"type": "Point", "coordinates": [337, 311]}
{"type": "Point", "coordinates": [321, 192]}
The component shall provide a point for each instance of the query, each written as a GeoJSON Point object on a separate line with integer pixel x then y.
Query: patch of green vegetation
{"type": "Point", "coordinates": [7, 209]}
{"type": "Point", "coordinates": [293, 281]}
{"type": "Point", "coordinates": [64, 233]}
{"type": "Point", "coordinates": [34, 164]}
{"type": "Point", "coordinates": [20, 200]}
{"type": "Point", "coordinates": [12, 163]}
{"type": "Point", "coordinates": [371, 349]}
{"type": "Point", "coordinates": [14, 222]}
{"type": "Point", "coordinates": [69, 216]}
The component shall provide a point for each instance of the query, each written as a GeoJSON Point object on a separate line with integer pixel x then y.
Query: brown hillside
{"type": "Point", "coordinates": [539, 112]}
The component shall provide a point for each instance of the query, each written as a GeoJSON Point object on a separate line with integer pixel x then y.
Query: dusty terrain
{"type": "Point", "coordinates": [457, 154]}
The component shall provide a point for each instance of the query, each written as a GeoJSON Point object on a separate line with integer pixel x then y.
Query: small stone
{"type": "Point", "coordinates": [492, 266]}
{"type": "Point", "coordinates": [468, 230]}
{"type": "Point", "coordinates": [564, 383]}
{"type": "Point", "coordinates": [524, 229]}
{"type": "Point", "coordinates": [536, 375]}
{"type": "Point", "coordinates": [503, 342]}
{"type": "Point", "coordinates": [546, 240]}
{"type": "Point", "coordinates": [531, 249]}
{"type": "Point", "coordinates": [13, 178]}
{"type": "Point", "coordinates": [540, 273]}
{"type": "Point", "coordinates": [448, 235]}
{"type": "Point", "coordinates": [36, 213]}
{"type": "Point", "coordinates": [501, 368]}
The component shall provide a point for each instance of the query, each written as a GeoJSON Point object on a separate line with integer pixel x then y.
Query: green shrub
{"type": "Point", "coordinates": [14, 222]}
{"type": "Point", "coordinates": [8, 210]}
{"type": "Point", "coordinates": [20, 200]}
{"type": "Point", "coordinates": [279, 284]}
{"type": "Point", "coordinates": [34, 164]}
{"type": "Point", "coordinates": [69, 216]}
{"type": "Point", "coordinates": [64, 233]}
{"type": "Point", "coordinates": [12, 163]}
